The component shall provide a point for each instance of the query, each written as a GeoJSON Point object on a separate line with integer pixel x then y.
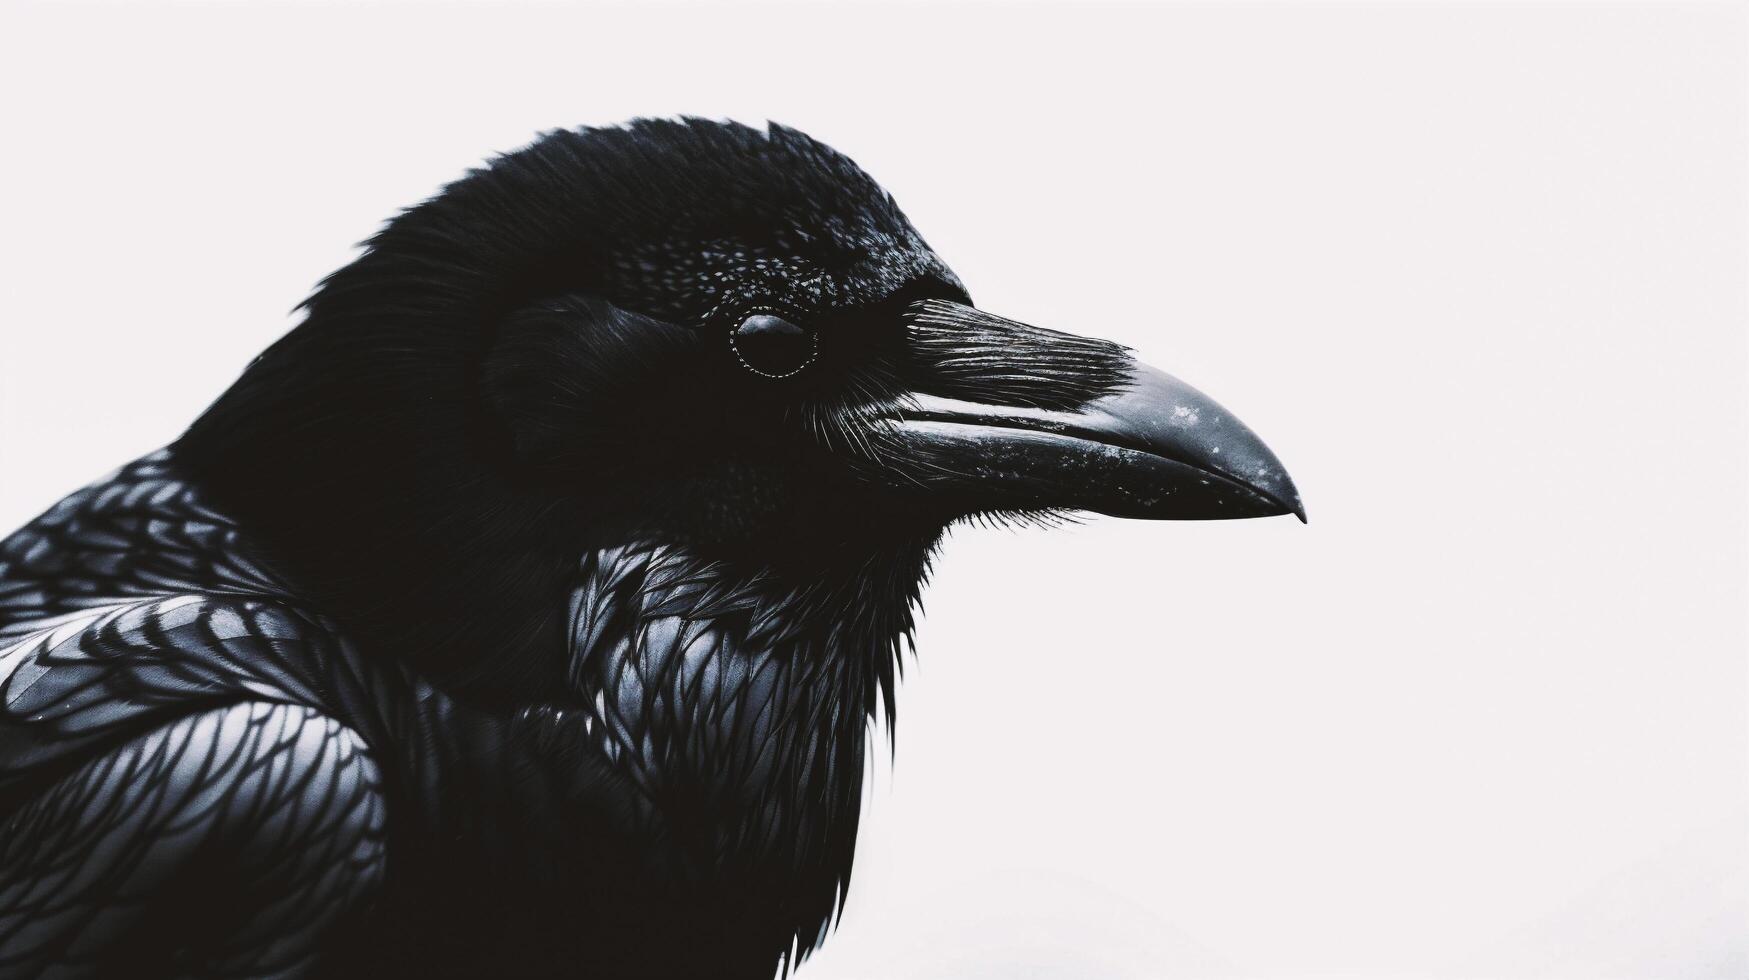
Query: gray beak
{"type": "Point", "coordinates": [1155, 448]}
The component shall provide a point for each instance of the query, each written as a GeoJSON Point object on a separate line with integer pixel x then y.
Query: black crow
{"type": "Point", "coordinates": [523, 611]}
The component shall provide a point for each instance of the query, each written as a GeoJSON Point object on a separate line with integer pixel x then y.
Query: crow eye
{"type": "Point", "coordinates": [769, 345]}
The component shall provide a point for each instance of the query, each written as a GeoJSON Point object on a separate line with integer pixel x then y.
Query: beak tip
{"type": "Point", "coordinates": [1287, 505]}
{"type": "Point", "coordinates": [1296, 506]}
{"type": "Point", "coordinates": [1285, 498]}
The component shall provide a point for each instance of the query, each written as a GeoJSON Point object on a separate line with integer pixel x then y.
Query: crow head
{"type": "Point", "coordinates": [658, 427]}
{"type": "Point", "coordinates": [688, 332]}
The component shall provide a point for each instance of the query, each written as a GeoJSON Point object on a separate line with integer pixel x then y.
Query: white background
{"type": "Point", "coordinates": [1477, 273]}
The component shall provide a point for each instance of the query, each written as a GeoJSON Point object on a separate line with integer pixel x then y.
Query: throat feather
{"type": "Point", "coordinates": [725, 693]}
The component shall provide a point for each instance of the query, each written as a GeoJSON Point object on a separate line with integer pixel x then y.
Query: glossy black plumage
{"type": "Point", "coordinates": [535, 620]}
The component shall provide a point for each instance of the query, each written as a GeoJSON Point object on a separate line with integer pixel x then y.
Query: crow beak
{"type": "Point", "coordinates": [1154, 448]}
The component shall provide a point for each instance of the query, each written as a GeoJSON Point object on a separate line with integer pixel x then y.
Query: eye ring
{"type": "Point", "coordinates": [775, 329]}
